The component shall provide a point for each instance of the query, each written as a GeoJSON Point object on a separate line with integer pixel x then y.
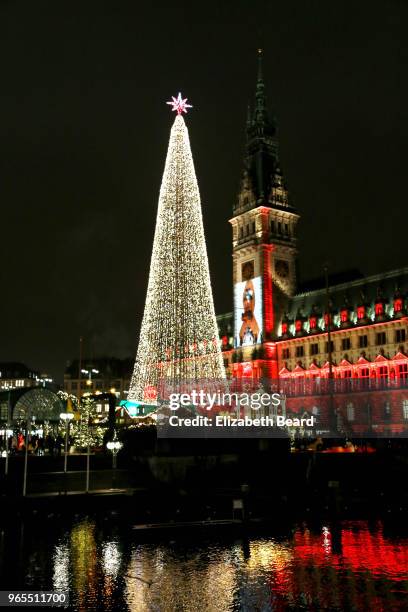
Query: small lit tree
{"type": "Point", "coordinates": [83, 430]}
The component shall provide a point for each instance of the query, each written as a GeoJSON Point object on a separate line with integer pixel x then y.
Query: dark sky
{"type": "Point", "coordinates": [84, 131]}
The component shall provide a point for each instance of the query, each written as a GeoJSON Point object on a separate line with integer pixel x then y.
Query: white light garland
{"type": "Point", "coordinates": [179, 334]}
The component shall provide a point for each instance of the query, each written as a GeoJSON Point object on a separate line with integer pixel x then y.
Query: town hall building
{"type": "Point", "coordinates": [346, 328]}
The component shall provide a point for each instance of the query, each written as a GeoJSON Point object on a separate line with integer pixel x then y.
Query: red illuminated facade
{"type": "Point", "coordinates": [366, 316]}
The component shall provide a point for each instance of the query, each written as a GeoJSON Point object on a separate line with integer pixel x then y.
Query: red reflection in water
{"type": "Point", "coordinates": [345, 573]}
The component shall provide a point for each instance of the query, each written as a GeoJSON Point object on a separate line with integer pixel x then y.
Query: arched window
{"type": "Point", "coordinates": [361, 310]}
{"type": "Point", "coordinates": [344, 315]}
{"type": "Point", "coordinates": [365, 377]}
{"type": "Point", "coordinates": [398, 304]}
{"type": "Point", "coordinates": [379, 309]}
{"type": "Point", "coordinates": [382, 375]}
{"type": "Point", "coordinates": [403, 371]}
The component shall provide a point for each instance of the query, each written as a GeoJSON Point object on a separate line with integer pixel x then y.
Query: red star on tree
{"type": "Point", "coordinates": [179, 104]}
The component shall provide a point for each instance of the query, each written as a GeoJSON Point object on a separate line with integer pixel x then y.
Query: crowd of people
{"type": "Point", "coordinates": [37, 445]}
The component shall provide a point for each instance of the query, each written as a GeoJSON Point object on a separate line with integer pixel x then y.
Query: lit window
{"type": "Point", "coordinates": [344, 315]}
{"type": "Point", "coordinates": [405, 409]}
{"type": "Point", "coordinates": [365, 376]}
{"type": "Point", "coordinates": [403, 370]}
{"type": "Point", "coordinates": [313, 322]}
{"type": "Point", "coordinates": [98, 407]}
{"type": "Point", "coordinates": [350, 412]}
{"type": "Point", "coordinates": [360, 312]}
{"type": "Point", "coordinates": [397, 304]}
{"type": "Point", "coordinates": [284, 328]}
{"type": "Point", "coordinates": [298, 325]}
{"type": "Point", "coordinates": [379, 309]}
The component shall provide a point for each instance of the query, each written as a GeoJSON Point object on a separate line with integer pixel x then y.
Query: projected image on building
{"type": "Point", "coordinates": [248, 307]}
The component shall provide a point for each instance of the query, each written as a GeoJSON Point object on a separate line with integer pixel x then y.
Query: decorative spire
{"type": "Point", "coordinates": [261, 161]}
{"type": "Point", "coordinates": [260, 115]}
{"type": "Point", "coordinates": [260, 72]}
{"type": "Point", "coordinates": [249, 119]}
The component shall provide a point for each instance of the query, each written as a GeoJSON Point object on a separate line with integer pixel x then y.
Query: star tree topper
{"type": "Point", "coordinates": [179, 104]}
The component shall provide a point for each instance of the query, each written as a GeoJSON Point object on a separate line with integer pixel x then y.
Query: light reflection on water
{"type": "Point", "coordinates": [350, 566]}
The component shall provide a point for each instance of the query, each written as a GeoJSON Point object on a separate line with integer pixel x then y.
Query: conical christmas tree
{"type": "Point", "coordinates": [179, 336]}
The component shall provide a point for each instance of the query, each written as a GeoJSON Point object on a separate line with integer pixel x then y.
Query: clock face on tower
{"type": "Point", "coordinates": [282, 268]}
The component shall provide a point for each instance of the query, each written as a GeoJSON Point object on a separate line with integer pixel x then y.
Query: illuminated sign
{"type": "Point", "coordinates": [136, 409]}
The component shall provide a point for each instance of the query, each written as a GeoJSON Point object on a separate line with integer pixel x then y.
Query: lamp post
{"type": "Point", "coordinates": [114, 445]}
{"type": "Point", "coordinates": [7, 432]}
{"type": "Point", "coordinates": [332, 416]}
{"type": "Point", "coordinates": [29, 419]}
{"type": "Point", "coordinates": [67, 417]}
{"type": "Point", "coordinates": [89, 373]}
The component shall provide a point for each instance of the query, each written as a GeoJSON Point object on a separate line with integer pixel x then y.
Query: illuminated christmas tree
{"type": "Point", "coordinates": [179, 335]}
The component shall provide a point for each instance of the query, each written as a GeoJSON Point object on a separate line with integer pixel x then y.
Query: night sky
{"type": "Point", "coordinates": [84, 132]}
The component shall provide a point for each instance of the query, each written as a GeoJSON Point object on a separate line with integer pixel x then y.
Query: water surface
{"type": "Point", "coordinates": [107, 566]}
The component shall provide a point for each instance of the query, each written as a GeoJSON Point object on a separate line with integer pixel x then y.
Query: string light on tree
{"type": "Point", "coordinates": [179, 334]}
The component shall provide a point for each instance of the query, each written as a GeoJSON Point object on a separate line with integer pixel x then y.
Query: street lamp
{"type": "Point", "coordinates": [67, 417]}
{"type": "Point", "coordinates": [5, 453]}
{"type": "Point", "coordinates": [89, 373]}
{"type": "Point", "coordinates": [114, 445]}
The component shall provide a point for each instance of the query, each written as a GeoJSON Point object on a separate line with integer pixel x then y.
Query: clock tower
{"type": "Point", "coordinates": [264, 240]}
